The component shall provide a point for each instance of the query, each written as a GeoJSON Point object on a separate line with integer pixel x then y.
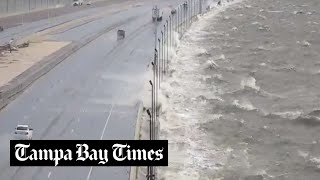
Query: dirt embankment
{"type": "Point", "coordinates": [13, 64]}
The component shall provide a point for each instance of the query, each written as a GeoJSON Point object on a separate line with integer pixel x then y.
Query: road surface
{"type": "Point", "coordinates": [98, 86]}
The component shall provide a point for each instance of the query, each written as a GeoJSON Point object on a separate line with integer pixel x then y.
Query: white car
{"type": "Point", "coordinates": [23, 132]}
{"type": "Point", "coordinates": [77, 2]}
{"type": "Point", "coordinates": [89, 3]}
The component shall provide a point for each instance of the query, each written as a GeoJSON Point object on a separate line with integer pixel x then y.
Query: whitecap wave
{"type": "Point", "coordinates": [289, 114]}
{"type": "Point", "coordinates": [309, 119]}
{"type": "Point", "coordinates": [249, 82]}
{"type": "Point", "coordinates": [203, 52]}
{"type": "Point", "coordinates": [211, 64]}
{"type": "Point", "coordinates": [244, 104]}
{"type": "Point", "coordinates": [256, 23]}
{"type": "Point", "coordinates": [304, 43]}
{"type": "Point", "coordinates": [190, 152]}
{"type": "Point", "coordinates": [286, 68]}
{"type": "Point", "coordinates": [316, 160]}
{"type": "Point", "coordinates": [220, 57]}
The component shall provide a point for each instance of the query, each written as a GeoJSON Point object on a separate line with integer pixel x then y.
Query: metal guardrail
{"type": "Point", "coordinates": [9, 7]}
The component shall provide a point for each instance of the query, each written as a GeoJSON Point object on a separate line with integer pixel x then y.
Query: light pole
{"type": "Point", "coordinates": [150, 168]}
{"type": "Point", "coordinates": [152, 109]}
{"type": "Point", "coordinates": [157, 85]}
{"type": "Point", "coordinates": [153, 95]}
{"type": "Point", "coordinates": [148, 111]}
{"type": "Point", "coordinates": [154, 63]}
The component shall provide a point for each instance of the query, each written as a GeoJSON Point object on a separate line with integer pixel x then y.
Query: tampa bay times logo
{"type": "Point", "coordinates": [88, 153]}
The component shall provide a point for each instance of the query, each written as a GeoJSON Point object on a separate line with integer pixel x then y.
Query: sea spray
{"type": "Point", "coordinates": [183, 111]}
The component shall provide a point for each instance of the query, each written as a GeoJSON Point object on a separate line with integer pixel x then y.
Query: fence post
{"type": "Point", "coordinates": [190, 12]}
{"type": "Point", "coordinates": [183, 18]}
{"type": "Point", "coordinates": [22, 13]}
{"type": "Point", "coordinates": [186, 15]}
{"type": "Point", "coordinates": [7, 6]}
{"type": "Point", "coordinates": [158, 65]}
{"type": "Point", "coordinates": [152, 109]}
{"type": "Point", "coordinates": [180, 19]}
{"type": "Point", "coordinates": [200, 6]}
{"type": "Point", "coordinates": [162, 44]}
{"type": "Point", "coordinates": [150, 125]}
{"type": "Point", "coordinates": [195, 8]}
{"type": "Point", "coordinates": [178, 22]}
{"type": "Point", "coordinates": [170, 31]}
{"type": "Point", "coordinates": [167, 35]}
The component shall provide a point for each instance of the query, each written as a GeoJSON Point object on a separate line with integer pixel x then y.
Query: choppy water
{"type": "Point", "coordinates": [243, 100]}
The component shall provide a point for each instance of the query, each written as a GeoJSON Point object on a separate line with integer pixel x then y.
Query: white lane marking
{"type": "Point", "coordinates": [49, 174]}
{"type": "Point", "coordinates": [88, 177]}
{"type": "Point", "coordinates": [105, 126]}
{"type": "Point", "coordinates": [104, 129]}
{"type": "Point", "coordinates": [72, 130]}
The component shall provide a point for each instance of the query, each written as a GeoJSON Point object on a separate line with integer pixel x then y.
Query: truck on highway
{"type": "Point", "coordinates": [121, 34]}
{"type": "Point", "coordinates": [156, 14]}
{"type": "Point", "coordinates": [23, 132]}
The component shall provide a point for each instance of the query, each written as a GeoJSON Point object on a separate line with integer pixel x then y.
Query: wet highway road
{"type": "Point", "coordinates": [39, 21]}
{"type": "Point", "coordinates": [17, 20]}
{"type": "Point", "coordinates": [93, 94]}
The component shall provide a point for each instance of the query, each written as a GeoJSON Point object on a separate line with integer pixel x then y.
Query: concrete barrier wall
{"type": "Point", "coordinates": [11, 7]}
